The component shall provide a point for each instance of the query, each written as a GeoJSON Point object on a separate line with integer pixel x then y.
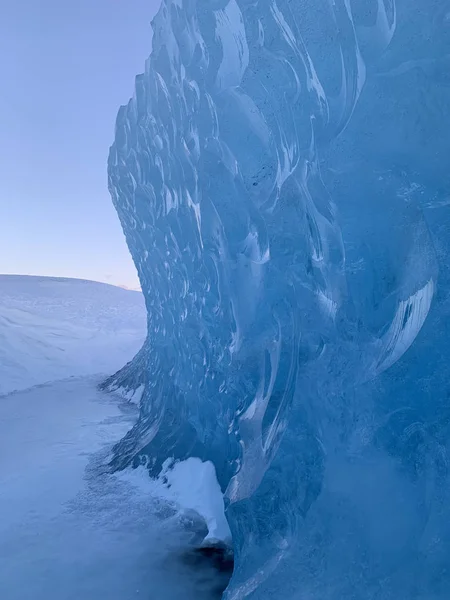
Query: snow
{"type": "Point", "coordinates": [69, 528]}
{"type": "Point", "coordinates": [53, 328]}
{"type": "Point", "coordinates": [132, 395]}
{"type": "Point", "coordinates": [189, 485]}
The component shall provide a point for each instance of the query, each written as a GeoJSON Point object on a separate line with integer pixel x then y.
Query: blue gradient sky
{"type": "Point", "coordinates": [66, 68]}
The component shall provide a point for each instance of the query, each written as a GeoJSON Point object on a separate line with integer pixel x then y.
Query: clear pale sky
{"type": "Point", "coordinates": [66, 66]}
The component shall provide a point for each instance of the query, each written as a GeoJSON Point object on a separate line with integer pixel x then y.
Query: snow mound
{"type": "Point", "coordinates": [54, 328]}
{"type": "Point", "coordinates": [189, 485]}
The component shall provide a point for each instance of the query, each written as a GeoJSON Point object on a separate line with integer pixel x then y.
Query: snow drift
{"type": "Point", "coordinates": [53, 328]}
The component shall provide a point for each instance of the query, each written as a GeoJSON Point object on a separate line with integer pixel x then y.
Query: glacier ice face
{"type": "Point", "coordinates": [281, 176]}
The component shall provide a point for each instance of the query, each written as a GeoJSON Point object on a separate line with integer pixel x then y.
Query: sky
{"type": "Point", "coordinates": [66, 66]}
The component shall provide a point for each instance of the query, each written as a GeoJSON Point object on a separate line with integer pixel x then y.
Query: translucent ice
{"type": "Point", "coordinates": [281, 176]}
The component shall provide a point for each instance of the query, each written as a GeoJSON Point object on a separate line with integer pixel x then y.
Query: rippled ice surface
{"type": "Point", "coordinates": [69, 530]}
{"type": "Point", "coordinates": [282, 179]}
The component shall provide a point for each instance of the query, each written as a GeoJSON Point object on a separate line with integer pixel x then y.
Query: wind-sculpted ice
{"type": "Point", "coordinates": [282, 179]}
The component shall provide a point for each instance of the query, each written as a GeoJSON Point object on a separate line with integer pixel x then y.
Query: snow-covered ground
{"type": "Point", "coordinates": [70, 530]}
{"type": "Point", "coordinates": [52, 328]}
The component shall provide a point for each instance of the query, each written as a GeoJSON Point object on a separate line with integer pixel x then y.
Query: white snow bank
{"type": "Point", "coordinates": [53, 328]}
{"type": "Point", "coordinates": [190, 485]}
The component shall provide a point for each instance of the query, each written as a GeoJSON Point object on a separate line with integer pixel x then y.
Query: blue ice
{"type": "Point", "coordinates": [282, 178]}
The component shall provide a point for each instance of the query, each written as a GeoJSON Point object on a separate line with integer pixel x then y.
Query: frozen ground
{"type": "Point", "coordinates": [69, 530]}
{"type": "Point", "coordinates": [52, 328]}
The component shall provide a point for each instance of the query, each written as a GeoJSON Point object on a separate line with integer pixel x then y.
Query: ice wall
{"type": "Point", "coordinates": [281, 176]}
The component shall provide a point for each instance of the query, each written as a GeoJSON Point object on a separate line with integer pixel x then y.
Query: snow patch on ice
{"type": "Point", "coordinates": [190, 485]}
{"type": "Point", "coordinates": [130, 395]}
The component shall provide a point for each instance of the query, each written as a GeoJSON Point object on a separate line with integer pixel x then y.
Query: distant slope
{"type": "Point", "coordinates": [53, 328]}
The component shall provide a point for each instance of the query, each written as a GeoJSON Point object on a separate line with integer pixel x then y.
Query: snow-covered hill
{"type": "Point", "coordinates": [53, 328]}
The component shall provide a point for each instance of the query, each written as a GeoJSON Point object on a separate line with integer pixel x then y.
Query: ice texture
{"type": "Point", "coordinates": [282, 180]}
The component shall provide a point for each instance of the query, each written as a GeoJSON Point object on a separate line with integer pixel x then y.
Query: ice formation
{"type": "Point", "coordinates": [281, 176]}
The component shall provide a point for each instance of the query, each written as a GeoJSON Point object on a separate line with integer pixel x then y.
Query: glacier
{"type": "Point", "coordinates": [281, 176]}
